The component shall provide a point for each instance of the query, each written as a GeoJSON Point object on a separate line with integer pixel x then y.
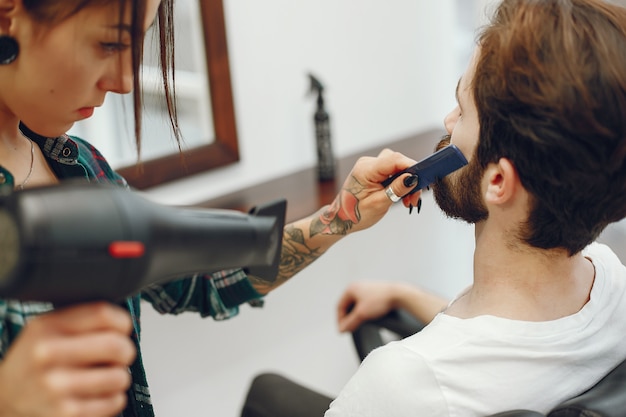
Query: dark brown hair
{"type": "Point", "coordinates": [54, 11]}
{"type": "Point", "coordinates": [550, 88]}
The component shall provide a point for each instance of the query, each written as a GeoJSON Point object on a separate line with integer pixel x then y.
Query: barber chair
{"type": "Point", "coordinates": [273, 395]}
{"type": "Point", "coordinates": [606, 399]}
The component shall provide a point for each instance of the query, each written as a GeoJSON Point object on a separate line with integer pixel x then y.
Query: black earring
{"type": "Point", "coordinates": [9, 49]}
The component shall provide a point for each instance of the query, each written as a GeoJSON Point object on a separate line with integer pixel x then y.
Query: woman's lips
{"type": "Point", "coordinates": [85, 112]}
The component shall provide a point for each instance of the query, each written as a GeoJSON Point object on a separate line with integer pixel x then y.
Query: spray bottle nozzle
{"type": "Point", "coordinates": [316, 86]}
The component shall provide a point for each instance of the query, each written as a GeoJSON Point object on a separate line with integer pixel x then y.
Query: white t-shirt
{"type": "Point", "coordinates": [484, 365]}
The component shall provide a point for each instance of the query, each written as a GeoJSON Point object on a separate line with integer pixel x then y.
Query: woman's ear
{"type": "Point", "coordinates": [502, 182]}
{"type": "Point", "coordinates": [7, 9]}
{"type": "Point", "coordinates": [7, 6]}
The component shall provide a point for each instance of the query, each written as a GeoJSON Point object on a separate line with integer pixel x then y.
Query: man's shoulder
{"type": "Point", "coordinates": [403, 357]}
{"type": "Point", "coordinates": [391, 381]}
{"type": "Point", "coordinates": [600, 250]}
{"type": "Point", "coordinates": [608, 266]}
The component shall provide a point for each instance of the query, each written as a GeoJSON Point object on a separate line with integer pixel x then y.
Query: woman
{"type": "Point", "coordinates": [58, 60]}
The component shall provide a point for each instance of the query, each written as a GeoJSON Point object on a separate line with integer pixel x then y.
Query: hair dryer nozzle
{"type": "Point", "coordinates": [77, 242]}
{"type": "Point", "coordinates": [277, 210]}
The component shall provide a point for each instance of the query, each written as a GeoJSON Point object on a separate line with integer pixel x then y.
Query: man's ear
{"type": "Point", "coordinates": [502, 182]}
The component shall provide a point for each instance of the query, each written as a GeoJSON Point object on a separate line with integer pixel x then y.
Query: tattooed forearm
{"type": "Point", "coordinates": [295, 256]}
{"type": "Point", "coordinates": [342, 213]}
{"type": "Point", "coordinates": [297, 249]}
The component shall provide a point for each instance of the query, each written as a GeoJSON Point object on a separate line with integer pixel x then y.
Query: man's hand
{"type": "Point", "coordinates": [69, 363]}
{"type": "Point", "coordinates": [368, 300]}
{"type": "Point", "coordinates": [363, 301]}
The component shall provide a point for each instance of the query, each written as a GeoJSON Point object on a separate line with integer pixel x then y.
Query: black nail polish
{"type": "Point", "coordinates": [419, 205]}
{"type": "Point", "coordinates": [410, 208]}
{"type": "Point", "coordinates": [410, 181]}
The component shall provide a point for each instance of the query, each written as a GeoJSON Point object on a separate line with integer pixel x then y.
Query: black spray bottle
{"type": "Point", "coordinates": [325, 157]}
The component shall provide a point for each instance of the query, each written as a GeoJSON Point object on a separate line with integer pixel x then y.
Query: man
{"type": "Point", "coordinates": [541, 112]}
{"type": "Point", "coordinates": [540, 115]}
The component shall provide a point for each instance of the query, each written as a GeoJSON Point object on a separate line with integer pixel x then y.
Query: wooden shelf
{"type": "Point", "coordinates": [302, 190]}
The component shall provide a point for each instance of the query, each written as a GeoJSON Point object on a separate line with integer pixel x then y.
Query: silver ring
{"type": "Point", "coordinates": [392, 196]}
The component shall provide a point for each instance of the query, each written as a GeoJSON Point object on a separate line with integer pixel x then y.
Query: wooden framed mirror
{"type": "Point", "coordinates": [223, 148]}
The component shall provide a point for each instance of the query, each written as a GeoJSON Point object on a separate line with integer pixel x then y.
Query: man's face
{"type": "Point", "coordinates": [459, 194]}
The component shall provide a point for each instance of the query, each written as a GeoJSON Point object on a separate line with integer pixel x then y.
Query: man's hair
{"type": "Point", "coordinates": [51, 12]}
{"type": "Point", "coordinates": [550, 88]}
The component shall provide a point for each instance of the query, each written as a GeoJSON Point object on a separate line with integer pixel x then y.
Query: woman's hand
{"type": "Point", "coordinates": [69, 362]}
{"type": "Point", "coordinates": [362, 201]}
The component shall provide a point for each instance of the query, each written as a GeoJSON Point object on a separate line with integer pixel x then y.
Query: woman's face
{"type": "Point", "coordinates": [64, 71]}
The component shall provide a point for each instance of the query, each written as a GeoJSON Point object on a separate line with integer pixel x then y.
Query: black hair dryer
{"type": "Point", "coordinates": [82, 242]}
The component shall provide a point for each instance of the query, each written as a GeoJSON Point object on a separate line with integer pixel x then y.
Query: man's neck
{"type": "Point", "coordinates": [515, 281]}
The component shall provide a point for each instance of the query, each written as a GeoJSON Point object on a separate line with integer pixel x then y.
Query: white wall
{"type": "Point", "coordinates": [389, 69]}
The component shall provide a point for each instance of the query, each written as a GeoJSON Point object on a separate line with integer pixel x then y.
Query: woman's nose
{"type": "Point", "coordinates": [118, 78]}
{"type": "Point", "coordinates": [121, 83]}
{"type": "Point", "coordinates": [124, 84]}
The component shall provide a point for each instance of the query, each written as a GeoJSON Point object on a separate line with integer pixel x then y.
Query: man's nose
{"type": "Point", "coordinates": [450, 120]}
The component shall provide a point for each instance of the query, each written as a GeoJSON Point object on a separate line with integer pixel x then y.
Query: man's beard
{"type": "Point", "coordinates": [458, 194]}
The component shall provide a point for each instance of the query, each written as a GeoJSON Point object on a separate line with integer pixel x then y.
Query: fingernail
{"type": "Point", "coordinates": [410, 208]}
{"type": "Point", "coordinates": [410, 181]}
{"type": "Point", "coordinates": [419, 205]}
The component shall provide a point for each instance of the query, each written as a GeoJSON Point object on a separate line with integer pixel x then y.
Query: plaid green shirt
{"type": "Point", "coordinates": [217, 295]}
